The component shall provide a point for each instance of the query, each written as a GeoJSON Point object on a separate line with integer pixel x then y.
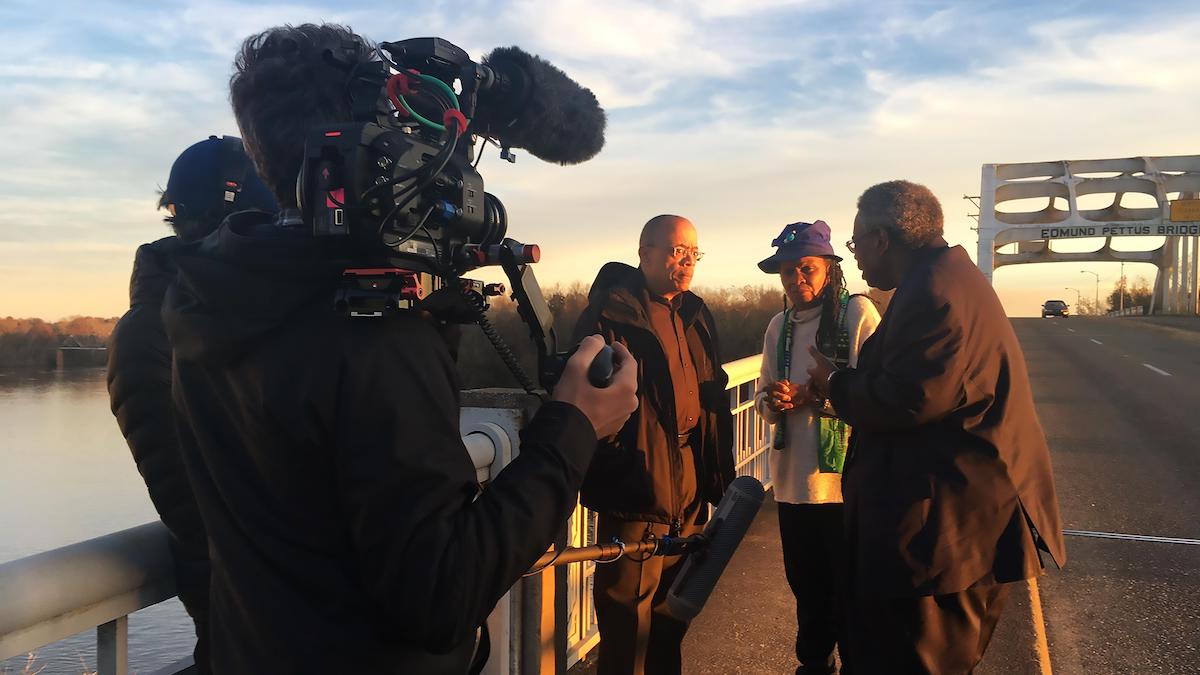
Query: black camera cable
{"type": "Point", "coordinates": [406, 195]}
{"type": "Point", "coordinates": [502, 349]}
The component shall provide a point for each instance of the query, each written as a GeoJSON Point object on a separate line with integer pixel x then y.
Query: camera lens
{"type": "Point", "coordinates": [495, 220]}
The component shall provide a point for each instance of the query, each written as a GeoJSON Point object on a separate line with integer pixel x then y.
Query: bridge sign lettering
{"type": "Point", "coordinates": [1173, 229]}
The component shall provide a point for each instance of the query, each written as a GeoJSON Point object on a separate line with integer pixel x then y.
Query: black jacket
{"type": "Point", "coordinates": [636, 474]}
{"type": "Point", "coordinates": [325, 453]}
{"type": "Point", "coordinates": [139, 389]}
{"type": "Point", "coordinates": [947, 482]}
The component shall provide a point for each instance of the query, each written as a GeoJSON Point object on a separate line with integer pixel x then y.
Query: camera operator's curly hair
{"type": "Point", "coordinates": [906, 208]}
{"type": "Point", "coordinates": [282, 86]}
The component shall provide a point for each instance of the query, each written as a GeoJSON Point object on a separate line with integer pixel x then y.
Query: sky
{"type": "Point", "coordinates": [742, 115]}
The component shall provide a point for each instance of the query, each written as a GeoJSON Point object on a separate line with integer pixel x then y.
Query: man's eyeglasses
{"type": "Point", "coordinates": [853, 241]}
{"type": "Point", "coordinates": [680, 251]}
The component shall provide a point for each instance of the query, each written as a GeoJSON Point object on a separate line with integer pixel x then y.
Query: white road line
{"type": "Point", "coordinates": [1160, 371]}
{"type": "Point", "coordinates": [1096, 341]}
{"type": "Point", "coordinates": [1131, 537]}
{"type": "Point", "coordinates": [1071, 329]}
{"type": "Point", "coordinates": [1039, 628]}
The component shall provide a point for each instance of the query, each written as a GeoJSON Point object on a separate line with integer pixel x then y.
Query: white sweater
{"type": "Point", "coordinates": [794, 469]}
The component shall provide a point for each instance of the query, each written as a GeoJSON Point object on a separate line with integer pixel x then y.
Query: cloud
{"type": "Point", "coordinates": [742, 114]}
{"type": "Point", "coordinates": [725, 9]}
{"type": "Point", "coordinates": [1037, 97]}
{"type": "Point", "coordinates": [939, 24]}
{"type": "Point", "coordinates": [739, 176]}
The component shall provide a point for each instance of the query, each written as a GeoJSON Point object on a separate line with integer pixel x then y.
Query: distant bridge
{"type": "Point", "coordinates": [1135, 196]}
{"type": "Point", "coordinates": [71, 354]}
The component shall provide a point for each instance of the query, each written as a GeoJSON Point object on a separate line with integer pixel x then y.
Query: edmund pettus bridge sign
{"type": "Point", "coordinates": [1157, 230]}
{"type": "Point", "coordinates": [1035, 203]}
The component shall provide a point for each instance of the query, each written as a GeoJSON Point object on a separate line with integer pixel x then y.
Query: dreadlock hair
{"type": "Point", "coordinates": [831, 309]}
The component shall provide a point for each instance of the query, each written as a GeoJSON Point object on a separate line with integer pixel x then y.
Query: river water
{"type": "Point", "coordinates": [66, 475]}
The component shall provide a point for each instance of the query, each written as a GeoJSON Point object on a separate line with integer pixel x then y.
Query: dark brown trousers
{"type": "Point", "coordinates": [938, 634]}
{"type": "Point", "coordinates": [637, 637]}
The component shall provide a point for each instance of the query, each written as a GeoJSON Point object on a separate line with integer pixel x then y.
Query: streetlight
{"type": "Point", "coordinates": [1097, 307]}
{"type": "Point", "coordinates": [1077, 294]}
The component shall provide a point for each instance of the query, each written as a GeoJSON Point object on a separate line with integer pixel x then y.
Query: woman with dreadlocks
{"type": "Point", "coordinates": [810, 442]}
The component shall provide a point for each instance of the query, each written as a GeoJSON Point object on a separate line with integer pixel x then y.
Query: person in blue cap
{"type": "Point", "coordinates": [810, 441]}
{"type": "Point", "coordinates": [208, 181]}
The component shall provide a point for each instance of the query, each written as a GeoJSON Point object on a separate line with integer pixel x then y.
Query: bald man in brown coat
{"type": "Point", "coordinates": [675, 454]}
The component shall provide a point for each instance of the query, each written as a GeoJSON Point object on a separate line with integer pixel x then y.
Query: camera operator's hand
{"type": "Point", "coordinates": [607, 408]}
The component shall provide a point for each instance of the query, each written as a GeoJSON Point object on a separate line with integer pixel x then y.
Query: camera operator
{"type": "Point", "coordinates": [198, 198]}
{"type": "Point", "coordinates": [346, 527]}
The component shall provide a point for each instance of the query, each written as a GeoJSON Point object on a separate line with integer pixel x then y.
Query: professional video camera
{"type": "Point", "coordinates": [399, 183]}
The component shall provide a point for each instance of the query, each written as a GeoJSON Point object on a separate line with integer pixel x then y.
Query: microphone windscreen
{"type": "Point", "coordinates": [545, 112]}
{"type": "Point", "coordinates": [700, 572]}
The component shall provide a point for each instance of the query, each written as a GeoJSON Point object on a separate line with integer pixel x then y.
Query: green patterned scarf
{"type": "Point", "coordinates": [834, 434]}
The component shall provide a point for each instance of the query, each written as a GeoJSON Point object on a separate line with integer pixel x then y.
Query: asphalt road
{"type": "Point", "coordinates": [1125, 444]}
{"type": "Point", "coordinates": [1119, 400]}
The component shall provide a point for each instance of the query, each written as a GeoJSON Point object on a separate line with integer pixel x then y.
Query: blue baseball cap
{"type": "Point", "coordinates": [214, 177]}
{"type": "Point", "coordinates": [799, 240]}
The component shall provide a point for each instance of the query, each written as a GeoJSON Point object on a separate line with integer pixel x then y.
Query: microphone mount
{"type": "Point", "coordinates": [612, 551]}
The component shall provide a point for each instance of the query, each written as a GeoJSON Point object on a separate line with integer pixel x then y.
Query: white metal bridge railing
{"type": "Point", "coordinates": [97, 583]}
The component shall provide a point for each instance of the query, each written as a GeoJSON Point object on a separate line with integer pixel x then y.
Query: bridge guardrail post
{"type": "Point", "coordinates": [112, 647]}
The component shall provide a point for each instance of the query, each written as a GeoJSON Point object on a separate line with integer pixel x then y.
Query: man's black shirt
{"type": "Point", "coordinates": [346, 528]}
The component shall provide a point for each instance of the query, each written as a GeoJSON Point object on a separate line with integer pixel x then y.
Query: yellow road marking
{"type": "Point", "coordinates": [1039, 628]}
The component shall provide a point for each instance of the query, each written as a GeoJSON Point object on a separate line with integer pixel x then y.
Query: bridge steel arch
{"type": "Point", "coordinates": [1172, 183]}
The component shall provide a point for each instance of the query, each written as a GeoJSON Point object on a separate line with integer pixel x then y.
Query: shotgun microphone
{"type": "Point", "coordinates": [528, 103]}
{"type": "Point", "coordinates": [724, 532]}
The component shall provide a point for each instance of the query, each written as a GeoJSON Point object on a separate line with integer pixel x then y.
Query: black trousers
{"type": "Point", "coordinates": [814, 561]}
{"type": "Point", "coordinates": [636, 636]}
{"type": "Point", "coordinates": [937, 634]}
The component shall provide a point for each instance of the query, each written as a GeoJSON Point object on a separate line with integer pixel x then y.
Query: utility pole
{"type": "Point", "coordinates": [1097, 307]}
{"type": "Point", "coordinates": [975, 201]}
{"type": "Point", "coordinates": [1122, 287]}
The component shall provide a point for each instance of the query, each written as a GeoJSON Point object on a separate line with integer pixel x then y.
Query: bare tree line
{"type": "Point", "coordinates": [741, 314]}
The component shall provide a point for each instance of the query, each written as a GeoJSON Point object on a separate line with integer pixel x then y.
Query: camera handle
{"type": "Point", "coordinates": [533, 310]}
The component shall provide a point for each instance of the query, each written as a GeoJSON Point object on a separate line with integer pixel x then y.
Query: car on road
{"type": "Point", "coordinates": [1055, 308]}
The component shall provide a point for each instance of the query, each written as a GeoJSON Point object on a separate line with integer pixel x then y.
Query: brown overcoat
{"type": "Point", "coordinates": [637, 474]}
{"type": "Point", "coordinates": [947, 481]}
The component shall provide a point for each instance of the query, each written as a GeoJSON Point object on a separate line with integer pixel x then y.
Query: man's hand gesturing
{"type": "Point", "coordinates": [606, 408]}
{"type": "Point", "coordinates": [819, 372]}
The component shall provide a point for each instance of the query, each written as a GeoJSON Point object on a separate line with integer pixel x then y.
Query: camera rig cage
{"type": "Point", "coordinates": [400, 185]}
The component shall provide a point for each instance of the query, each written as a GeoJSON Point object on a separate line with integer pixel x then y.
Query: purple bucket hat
{"type": "Point", "coordinates": [799, 240]}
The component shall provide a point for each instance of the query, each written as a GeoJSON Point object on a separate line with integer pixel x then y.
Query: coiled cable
{"type": "Point", "coordinates": [506, 353]}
